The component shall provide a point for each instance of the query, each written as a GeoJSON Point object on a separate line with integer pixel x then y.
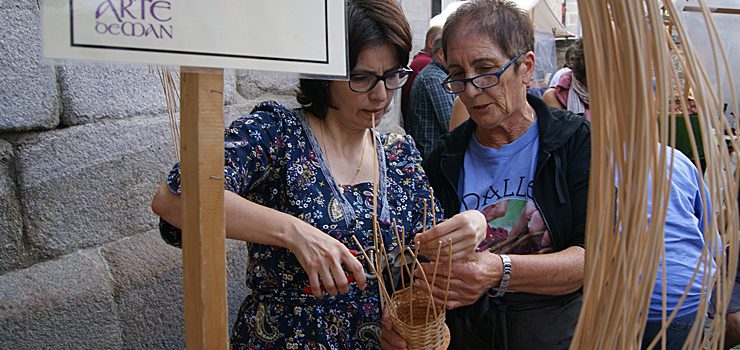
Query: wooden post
{"type": "Point", "coordinates": [203, 253]}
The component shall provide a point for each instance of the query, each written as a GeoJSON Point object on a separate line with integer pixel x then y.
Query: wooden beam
{"type": "Point", "coordinates": [722, 10]}
{"type": "Point", "coordinates": [203, 253]}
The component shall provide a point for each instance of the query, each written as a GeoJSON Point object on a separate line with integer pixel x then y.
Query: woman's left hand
{"type": "Point", "coordinates": [465, 230]}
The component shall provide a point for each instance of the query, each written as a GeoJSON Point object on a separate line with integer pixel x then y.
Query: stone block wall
{"type": "Point", "coordinates": [83, 146]}
{"type": "Point", "coordinates": [30, 96]}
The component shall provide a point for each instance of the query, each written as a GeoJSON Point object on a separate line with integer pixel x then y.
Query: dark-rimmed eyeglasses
{"type": "Point", "coordinates": [482, 81]}
{"type": "Point", "coordinates": [364, 82]}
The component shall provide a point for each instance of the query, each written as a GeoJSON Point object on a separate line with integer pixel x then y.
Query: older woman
{"type": "Point", "coordinates": [299, 187]}
{"type": "Point", "coordinates": [525, 166]}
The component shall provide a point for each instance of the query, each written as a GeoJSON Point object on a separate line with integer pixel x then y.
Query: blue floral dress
{"type": "Point", "coordinates": [273, 159]}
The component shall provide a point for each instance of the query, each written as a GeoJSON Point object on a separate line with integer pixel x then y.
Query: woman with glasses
{"type": "Point", "coordinates": [523, 165]}
{"type": "Point", "coordinates": [299, 186]}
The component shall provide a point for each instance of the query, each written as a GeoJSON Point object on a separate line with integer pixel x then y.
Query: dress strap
{"type": "Point", "coordinates": [382, 179]}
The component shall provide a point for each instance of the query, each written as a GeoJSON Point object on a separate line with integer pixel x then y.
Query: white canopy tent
{"type": "Point", "coordinates": [543, 17]}
{"type": "Point", "coordinates": [726, 14]}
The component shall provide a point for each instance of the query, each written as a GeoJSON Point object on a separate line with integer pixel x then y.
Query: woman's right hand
{"type": "Point", "coordinates": [322, 257]}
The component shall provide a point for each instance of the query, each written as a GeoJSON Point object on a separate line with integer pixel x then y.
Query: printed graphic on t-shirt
{"type": "Point", "coordinates": [509, 188]}
{"type": "Point", "coordinates": [515, 226]}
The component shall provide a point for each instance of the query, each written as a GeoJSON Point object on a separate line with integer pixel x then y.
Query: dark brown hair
{"type": "Point", "coordinates": [578, 62]}
{"type": "Point", "coordinates": [569, 53]}
{"type": "Point", "coordinates": [370, 23]}
{"type": "Point", "coordinates": [505, 24]}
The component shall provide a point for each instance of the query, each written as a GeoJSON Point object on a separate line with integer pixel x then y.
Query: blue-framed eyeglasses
{"type": "Point", "coordinates": [482, 81]}
{"type": "Point", "coordinates": [364, 82]}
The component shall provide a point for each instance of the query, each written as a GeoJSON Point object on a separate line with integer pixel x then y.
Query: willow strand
{"type": "Point", "coordinates": [169, 79]}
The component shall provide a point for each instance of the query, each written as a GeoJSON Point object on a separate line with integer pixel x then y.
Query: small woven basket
{"type": "Point", "coordinates": [428, 332]}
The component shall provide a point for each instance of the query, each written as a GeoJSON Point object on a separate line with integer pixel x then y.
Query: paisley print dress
{"type": "Point", "coordinates": [272, 158]}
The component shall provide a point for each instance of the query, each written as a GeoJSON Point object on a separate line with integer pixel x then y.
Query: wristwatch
{"type": "Point", "coordinates": [501, 290]}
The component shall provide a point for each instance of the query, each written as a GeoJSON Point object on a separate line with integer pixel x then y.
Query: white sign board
{"type": "Point", "coordinates": [305, 36]}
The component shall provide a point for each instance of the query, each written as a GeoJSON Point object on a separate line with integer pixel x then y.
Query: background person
{"type": "Point", "coordinates": [420, 61]}
{"type": "Point", "coordinates": [566, 67]}
{"type": "Point", "coordinates": [684, 241]}
{"type": "Point", "coordinates": [430, 105]}
{"type": "Point", "coordinates": [571, 92]}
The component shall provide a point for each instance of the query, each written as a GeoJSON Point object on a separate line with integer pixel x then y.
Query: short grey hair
{"type": "Point", "coordinates": [502, 21]}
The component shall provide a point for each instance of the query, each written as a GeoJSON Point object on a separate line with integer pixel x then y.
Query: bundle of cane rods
{"type": "Point", "coordinates": [632, 78]}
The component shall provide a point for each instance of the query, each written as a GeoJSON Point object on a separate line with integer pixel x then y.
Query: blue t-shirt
{"type": "Point", "coordinates": [684, 240]}
{"type": "Point", "coordinates": [499, 183]}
